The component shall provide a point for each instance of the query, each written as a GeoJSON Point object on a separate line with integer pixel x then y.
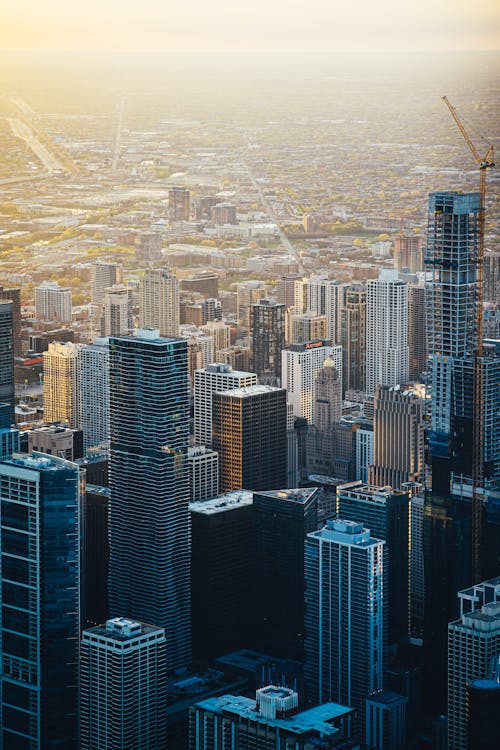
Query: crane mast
{"type": "Point", "coordinates": [484, 163]}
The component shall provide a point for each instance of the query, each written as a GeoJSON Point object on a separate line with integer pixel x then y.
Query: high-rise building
{"type": "Point", "coordinates": [322, 296]}
{"type": "Point", "coordinates": [247, 294]}
{"type": "Point", "coordinates": [222, 574]}
{"type": "Point", "coordinates": [473, 642]}
{"type": "Point", "coordinates": [39, 595]}
{"type": "Point", "coordinates": [223, 213]}
{"type": "Point", "coordinates": [491, 275]}
{"type": "Point", "coordinates": [149, 483]}
{"type": "Point", "coordinates": [95, 552]}
{"type": "Point", "coordinates": [364, 452]}
{"type": "Point", "coordinates": [9, 436]}
{"type": "Point", "coordinates": [123, 686]}
{"type": "Point", "coordinates": [7, 355]}
{"type": "Point", "coordinates": [285, 289]}
{"type": "Point", "coordinates": [115, 315]}
{"type": "Point", "coordinates": [214, 377]}
{"type": "Point", "coordinates": [220, 333]}
{"type": "Point", "coordinates": [159, 301]}
{"type": "Point", "coordinates": [417, 339]}
{"type": "Point", "coordinates": [178, 204]}
{"type": "Point", "coordinates": [203, 473]}
{"type": "Point", "coordinates": [327, 408]}
{"type": "Point", "coordinates": [300, 365]}
{"type": "Point", "coordinates": [204, 282]}
{"type": "Point", "coordinates": [60, 383]}
{"type": "Point", "coordinates": [344, 643]}
{"type": "Point", "coordinates": [408, 253]}
{"type": "Point", "coordinates": [270, 720]}
{"type": "Point", "coordinates": [53, 302]}
{"type": "Point", "coordinates": [239, 357]}
{"type": "Point", "coordinates": [267, 322]}
{"type": "Point", "coordinates": [398, 437]}
{"type": "Point", "coordinates": [386, 331]}
{"type": "Point", "coordinates": [387, 514]}
{"type": "Point", "coordinates": [103, 274]}
{"type": "Point", "coordinates": [249, 434]}
{"type": "Point", "coordinates": [353, 338]}
{"type": "Point", "coordinates": [56, 440]}
{"type": "Point", "coordinates": [282, 520]}
{"type": "Point", "coordinates": [302, 327]}
{"type": "Point", "coordinates": [386, 721]}
{"type": "Point", "coordinates": [417, 586]}
{"type": "Point", "coordinates": [483, 709]}
{"type": "Point", "coordinates": [14, 295]}
{"type": "Point", "coordinates": [93, 393]}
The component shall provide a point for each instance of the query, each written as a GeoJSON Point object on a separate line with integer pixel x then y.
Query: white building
{"type": "Point", "coordinates": [203, 473]}
{"type": "Point", "coordinates": [386, 331]}
{"type": "Point", "coordinates": [214, 377]}
{"type": "Point", "coordinates": [103, 274]}
{"type": "Point", "coordinates": [322, 296]}
{"type": "Point", "coordinates": [220, 333]}
{"type": "Point", "coordinates": [364, 453]}
{"type": "Point", "coordinates": [473, 642]}
{"type": "Point", "coordinates": [93, 393]}
{"type": "Point", "coordinates": [122, 686]}
{"type": "Point", "coordinates": [344, 620]}
{"type": "Point", "coordinates": [159, 301]}
{"type": "Point", "coordinates": [115, 317]}
{"type": "Point", "coordinates": [53, 302]}
{"type": "Point", "coordinates": [300, 364]}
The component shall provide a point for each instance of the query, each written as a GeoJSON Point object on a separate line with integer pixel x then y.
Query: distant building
{"type": "Point", "coordinates": [417, 338]}
{"type": "Point", "coordinates": [353, 338]}
{"type": "Point", "coordinates": [308, 326]}
{"type": "Point", "coordinates": [247, 294]}
{"type": "Point", "coordinates": [239, 357]}
{"type": "Point", "coordinates": [322, 296]}
{"type": "Point", "coordinates": [14, 295]}
{"type": "Point", "coordinates": [116, 311]}
{"type": "Point", "coordinates": [491, 276]}
{"type": "Point", "coordinates": [53, 302]}
{"type": "Point", "coordinates": [205, 282]}
{"type": "Point", "coordinates": [203, 473]}
{"type": "Point", "coordinates": [103, 274]}
{"type": "Point", "coordinates": [122, 686]}
{"type": "Point", "coordinates": [408, 253]}
{"type": "Point", "coordinates": [300, 365]}
{"type": "Point", "coordinates": [285, 289]}
{"type": "Point", "coordinates": [159, 301]}
{"type": "Point", "coordinates": [267, 323]}
{"type": "Point", "coordinates": [7, 355]}
{"type": "Point", "coordinates": [223, 213]}
{"type": "Point", "coordinates": [93, 393]}
{"type": "Point", "coordinates": [178, 204]}
{"type": "Point", "coordinates": [60, 383]}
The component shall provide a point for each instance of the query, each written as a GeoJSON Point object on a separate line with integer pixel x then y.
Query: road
{"type": "Point", "coordinates": [21, 130]}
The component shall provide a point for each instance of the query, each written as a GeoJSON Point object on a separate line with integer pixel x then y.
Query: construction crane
{"type": "Point", "coordinates": [484, 163]}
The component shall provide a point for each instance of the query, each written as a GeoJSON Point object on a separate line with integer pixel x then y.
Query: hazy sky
{"type": "Point", "coordinates": [239, 25]}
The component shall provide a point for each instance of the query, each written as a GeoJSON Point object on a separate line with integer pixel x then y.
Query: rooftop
{"type": "Point", "coordinates": [301, 495]}
{"type": "Point", "coordinates": [222, 503]}
{"type": "Point", "coordinates": [121, 629]}
{"type": "Point", "coordinates": [251, 390]}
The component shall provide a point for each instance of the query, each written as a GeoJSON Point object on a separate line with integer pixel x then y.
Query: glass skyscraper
{"type": "Point", "coordinates": [39, 599]}
{"type": "Point", "coordinates": [149, 484]}
{"type": "Point", "coordinates": [7, 354]}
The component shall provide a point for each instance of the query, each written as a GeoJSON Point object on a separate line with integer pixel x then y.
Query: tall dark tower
{"type": "Point", "coordinates": [7, 354]}
{"type": "Point", "coordinates": [267, 322]}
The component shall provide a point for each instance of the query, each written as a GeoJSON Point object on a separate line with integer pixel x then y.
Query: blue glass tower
{"type": "Point", "coordinates": [39, 599]}
{"type": "Point", "coordinates": [149, 485]}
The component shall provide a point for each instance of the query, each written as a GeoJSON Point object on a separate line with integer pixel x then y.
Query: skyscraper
{"type": "Point", "coordinates": [14, 295]}
{"type": "Point", "coordinates": [159, 301]}
{"type": "Point", "coordinates": [282, 520]}
{"type": "Point", "coordinates": [115, 317]}
{"type": "Point", "coordinates": [178, 204]}
{"type": "Point", "coordinates": [214, 377]}
{"type": "Point", "coordinates": [322, 296]}
{"type": "Point", "coordinates": [353, 338]}
{"type": "Point", "coordinates": [327, 395]}
{"type": "Point", "coordinates": [149, 483]}
{"type": "Point", "coordinates": [39, 595]}
{"type": "Point", "coordinates": [203, 473]}
{"type": "Point", "coordinates": [103, 274]}
{"type": "Point", "coordinates": [386, 331]}
{"type": "Point", "coordinates": [408, 253]}
{"type": "Point", "coordinates": [300, 365]}
{"type": "Point", "coordinates": [344, 572]}
{"type": "Point", "coordinates": [53, 302]}
{"type": "Point", "coordinates": [7, 355]}
{"type": "Point", "coordinates": [417, 338]}
{"type": "Point", "coordinates": [249, 434]}
{"type": "Point", "coordinates": [60, 383]}
{"type": "Point", "coordinates": [93, 393]}
{"type": "Point", "coordinates": [247, 294]}
{"type": "Point", "coordinates": [123, 686]}
{"type": "Point", "coordinates": [9, 436]}
{"type": "Point", "coordinates": [267, 322]}
{"type": "Point", "coordinates": [302, 327]}
{"type": "Point", "coordinates": [398, 437]}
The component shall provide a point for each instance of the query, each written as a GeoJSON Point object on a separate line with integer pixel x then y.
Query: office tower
{"type": "Point", "coordinates": [159, 301]}
{"type": "Point", "coordinates": [353, 338]}
{"type": "Point", "coordinates": [267, 321]}
{"type": "Point", "coordinates": [53, 302]}
{"type": "Point", "coordinates": [93, 393]}
{"type": "Point", "coordinates": [56, 440]}
{"type": "Point", "coordinates": [219, 332]}
{"type": "Point", "coordinates": [327, 395]}
{"type": "Point", "coordinates": [103, 274]}
{"type": "Point", "coordinates": [123, 686]}
{"type": "Point", "coordinates": [95, 552]}
{"type": "Point", "coordinates": [268, 721]}
{"type": "Point", "coordinates": [222, 574]}
{"type": "Point", "coordinates": [285, 289]}
{"type": "Point", "coordinates": [9, 436]}
{"type": "Point", "coordinates": [483, 709]}
{"type": "Point", "coordinates": [408, 253]}
{"type": "Point", "coordinates": [417, 586]}
{"type": "Point", "coordinates": [249, 434]}
{"type": "Point", "coordinates": [60, 383]}
{"type": "Point", "coordinates": [302, 327]}
{"type": "Point", "coordinates": [204, 282]}
{"type": "Point", "coordinates": [178, 204]}
{"type": "Point", "coordinates": [282, 520]}
{"type": "Point", "coordinates": [239, 357]}
{"type": "Point", "coordinates": [386, 721]}
{"type": "Point", "coordinates": [39, 539]}
{"type": "Point", "coordinates": [115, 316]}
{"type": "Point", "coordinates": [149, 483]}
{"type": "Point", "coordinates": [212, 378]}
{"type": "Point", "coordinates": [364, 452]}
{"type": "Point", "coordinates": [14, 296]}
{"type": "Point", "coordinates": [7, 355]}
{"type": "Point", "coordinates": [211, 310]}
{"type": "Point", "coordinates": [247, 294]}
{"type": "Point", "coordinates": [398, 437]}
{"type": "Point", "coordinates": [344, 572]}
{"type": "Point", "coordinates": [203, 473]}
{"type": "Point", "coordinates": [473, 642]}
{"type": "Point", "coordinates": [387, 514]}
{"type": "Point", "coordinates": [300, 365]}
{"type": "Point", "coordinates": [386, 330]}
{"type": "Point", "coordinates": [491, 275]}
{"type": "Point", "coordinates": [223, 213]}
{"type": "Point", "coordinates": [417, 339]}
{"type": "Point", "coordinates": [322, 296]}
